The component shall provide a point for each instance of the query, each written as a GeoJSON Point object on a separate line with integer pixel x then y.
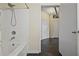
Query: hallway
{"type": "Point", "coordinates": [49, 47]}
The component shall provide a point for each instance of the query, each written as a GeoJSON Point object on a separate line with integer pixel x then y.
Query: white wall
{"type": "Point", "coordinates": [44, 25]}
{"type": "Point", "coordinates": [54, 27]}
{"type": "Point", "coordinates": [34, 41]}
{"type": "Point", "coordinates": [50, 26]}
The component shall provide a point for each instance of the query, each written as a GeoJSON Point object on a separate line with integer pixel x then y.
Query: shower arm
{"type": "Point", "coordinates": [11, 5]}
{"type": "Point", "coordinates": [27, 5]}
{"type": "Point", "coordinates": [56, 11]}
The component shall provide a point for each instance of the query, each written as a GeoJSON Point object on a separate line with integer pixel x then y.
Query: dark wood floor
{"type": "Point", "coordinates": [49, 47]}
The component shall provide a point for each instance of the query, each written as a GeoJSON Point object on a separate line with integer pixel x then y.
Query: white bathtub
{"type": "Point", "coordinates": [19, 51]}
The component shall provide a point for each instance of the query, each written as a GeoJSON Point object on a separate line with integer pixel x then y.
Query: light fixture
{"type": "Point", "coordinates": [53, 11]}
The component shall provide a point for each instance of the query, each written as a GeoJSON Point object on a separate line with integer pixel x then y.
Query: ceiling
{"type": "Point", "coordinates": [50, 9]}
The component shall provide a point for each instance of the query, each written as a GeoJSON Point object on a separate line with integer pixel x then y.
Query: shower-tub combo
{"type": "Point", "coordinates": [14, 28]}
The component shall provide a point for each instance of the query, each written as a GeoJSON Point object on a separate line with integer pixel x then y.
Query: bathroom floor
{"type": "Point", "coordinates": [49, 47]}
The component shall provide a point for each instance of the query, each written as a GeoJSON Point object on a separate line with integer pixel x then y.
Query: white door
{"type": "Point", "coordinates": [67, 29]}
{"type": "Point", "coordinates": [78, 28]}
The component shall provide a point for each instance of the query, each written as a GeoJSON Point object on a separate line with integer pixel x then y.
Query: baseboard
{"type": "Point", "coordinates": [39, 54]}
{"type": "Point", "coordinates": [55, 37]}
{"type": "Point", "coordinates": [34, 54]}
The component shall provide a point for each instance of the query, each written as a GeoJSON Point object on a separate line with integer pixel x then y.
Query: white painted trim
{"type": "Point", "coordinates": [18, 50]}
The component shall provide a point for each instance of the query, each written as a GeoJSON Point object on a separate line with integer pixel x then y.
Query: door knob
{"type": "Point", "coordinates": [74, 32]}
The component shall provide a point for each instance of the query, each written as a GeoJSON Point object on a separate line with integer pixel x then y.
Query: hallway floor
{"type": "Point", "coordinates": [49, 47]}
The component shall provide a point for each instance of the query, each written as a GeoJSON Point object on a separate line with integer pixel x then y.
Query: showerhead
{"type": "Point", "coordinates": [11, 5]}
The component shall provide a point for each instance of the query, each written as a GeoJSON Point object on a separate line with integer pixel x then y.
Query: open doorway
{"type": "Point", "coordinates": [50, 29]}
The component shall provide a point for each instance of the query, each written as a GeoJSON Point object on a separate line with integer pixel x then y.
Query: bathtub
{"type": "Point", "coordinates": [19, 51]}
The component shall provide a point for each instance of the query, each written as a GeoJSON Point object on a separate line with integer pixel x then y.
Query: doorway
{"type": "Point", "coordinates": [50, 30]}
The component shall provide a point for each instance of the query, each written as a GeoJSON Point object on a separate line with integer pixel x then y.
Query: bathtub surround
{"type": "Point", "coordinates": [9, 45]}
